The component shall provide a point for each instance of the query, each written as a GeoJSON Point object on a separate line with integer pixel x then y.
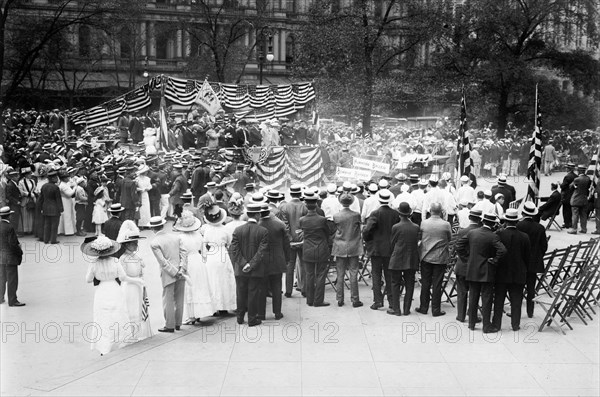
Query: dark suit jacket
{"type": "Point", "coordinates": [13, 194]}
{"type": "Point", "coordinates": [512, 267]}
{"type": "Point", "coordinates": [378, 230]}
{"type": "Point", "coordinates": [200, 177]}
{"type": "Point", "coordinates": [405, 246]}
{"type": "Point", "coordinates": [481, 249]}
{"type": "Point", "coordinates": [291, 213]}
{"type": "Point", "coordinates": [460, 268]}
{"type": "Point", "coordinates": [539, 244]}
{"type": "Point", "coordinates": [347, 240]}
{"type": "Point", "coordinates": [549, 207]}
{"type": "Point", "coordinates": [50, 200]}
{"type": "Point", "coordinates": [316, 236]}
{"type": "Point", "coordinates": [250, 244]}
{"type": "Point", "coordinates": [506, 191]}
{"type": "Point", "coordinates": [129, 194]}
{"type": "Point", "coordinates": [279, 245]}
{"type": "Point", "coordinates": [10, 249]}
{"type": "Point", "coordinates": [566, 191]}
{"type": "Point", "coordinates": [112, 227]}
{"type": "Point", "coordinates": [582, 191]}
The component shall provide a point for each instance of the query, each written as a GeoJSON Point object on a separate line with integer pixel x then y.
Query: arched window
{"type": "Point", "coordinates": [289, 49]}
{"type": "Point", "coordinates": [84, 41]}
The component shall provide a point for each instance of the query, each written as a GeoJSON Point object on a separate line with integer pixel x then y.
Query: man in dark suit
{"type": "Point", "coordinates": [10, 258]}
{"type": "Point", "coordinates": [548, 209]}
{"type": "Point", "coordinates": [200, 177]}
{"type": "Point", "coordinates": [376, 235]}
{"type": "Point", "coordinates": [52, 207]}
{"type": "Point", "coordinates": [505, 189]}
{"type": "Point", "coordinates": [275, 261]}
{"type": "Point", "coordinates": [460, 268]}
{"type": "Point", "coordinates": [316, 248]}
{"type": "Point", "coordinates": [404, 261]}
{"type": "Point", "coordinates": [136, 129]}
{"type": "Point", "coordinates": [579, 200]}
{"type": "Point", "coordinates": [130, 198]}
{"type": "Point", "coordinates": [291, 213]}
{"type": "Point", "coordinates": [481, 249]}
{"type": "Point", "coordinates": [13, 197]}
{"type": "Point", "coordinates": [511, 270]}
{"type": "Point", "coordinates": [178, 188]}
{"type": "Point", "coordinates": [347, 248]}
{"type": "Point", "coordinates": [566, 191]}
{"type": "Point", "coordinates": [113, 224]}
{"type": "Point", "coordinates": [539, 246]}
{"type": "Point", "coordinates": [248, 250]}
{"type": "Point", "coordinates": [435, 234]}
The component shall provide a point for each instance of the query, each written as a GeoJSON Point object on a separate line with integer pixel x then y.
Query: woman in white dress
{"type": "Point", "coordinates": [66, 224]}
{"type": "Point", "coordinates": [144, 185]}
{"type": "Point", "coordinates": [101, 204]}
{"type": "Point", "coordinates": [111, 327]}
{"type": "Point", "coordinates": [132, 263]}
{"type": "Point", "coordinates": [216, 257]}
{"type": "Point", "coordinates": [198, 294]}
{"type": "Point", "coordinates": [28, 199]}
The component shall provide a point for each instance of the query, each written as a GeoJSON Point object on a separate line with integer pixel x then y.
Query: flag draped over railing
{"type": "Point", "coordinates": [465, 162]}
{"type": "Point", "coordinates": [296, 164]}
{"type": "Point", "coordinates": [535, 155]}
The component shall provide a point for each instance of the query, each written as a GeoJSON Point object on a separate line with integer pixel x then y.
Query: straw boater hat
{"type": "Point", "coordinates": [117, 207]}
{"type": "Point", "coordinates": [129, 232]}
{"type": "Point", "coordinates": [5, 211]}
{"type": "Point", "coordinates": [384, 196]}
{"type": "Point", "coordinates": [214, 215]}
{"type": "Point", "coordinates": [157, 221]}
{"type": "Point", "coordinates": [275, 194]}
{"type": "Point", "coordinates": [529, 208]}
{"type": "Point", "coordinates": [100, 247]}
{"type": "Point", "coordinates": [187, 222]}
{"type": "Point", "coordinates": [253, 208]}
{"type": "Point", "coordinates": [187, 195]}
{"type": "Point", "coordinates": [489, 217]}
{"type": "Point", "coordinates": [512, 214]}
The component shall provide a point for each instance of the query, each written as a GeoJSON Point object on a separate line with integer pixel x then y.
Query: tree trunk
{"type": "Point", "coordinates": [502, 113]}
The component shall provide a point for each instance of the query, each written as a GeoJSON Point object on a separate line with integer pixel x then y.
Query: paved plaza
{"type": "Point", "coordinates": [311, 351]}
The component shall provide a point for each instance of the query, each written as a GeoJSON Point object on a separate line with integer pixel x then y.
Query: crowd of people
{"type": "Point", "coordinates": [232, 242]}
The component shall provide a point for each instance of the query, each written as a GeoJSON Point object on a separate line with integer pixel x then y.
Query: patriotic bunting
{"type": "Point", "coordinates": [593, 170]}
{"type": "Point", "coordinates": [535, 155]}
{"type": "Point", "coordinates": [257, 101]}
{"type": "Point", "coordinates": [296, 164]}
{"type": "Point", "coordinates": [466, 162]}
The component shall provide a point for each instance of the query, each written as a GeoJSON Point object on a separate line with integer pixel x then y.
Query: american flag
{"type": "Point", "coordinates": [296, 164]}
{"type": "Point", "coordinates": [466, 162]}
{"type": "Point", "coordinates": [235, 96]}
{"type": "Point", "coordinates": [535, 155]}
{"type": "Point", "coordinates": [138, 99]}
{"type": "Point", "coordinates": [593, 170]}
{"type": "Point", "coordinates": [101, 115]}
{"type": "Point", "coordinates": [145, 305]}
{"type": "Point", "coordinates": [181, 91]}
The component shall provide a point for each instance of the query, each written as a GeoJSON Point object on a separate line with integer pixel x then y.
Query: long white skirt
{"type": "Point", "coordinates": [198, 296]}
{"type": "Point", "coordinates": [66, 224]}
{"type": "Point", "coordinates": [111, 322]}
{"type": "Point", "coordinates": [139, 329]}
{"type": "Point", "coordinates": [144, 211]}
{"type": "Point", "coordinates": [221, 280]}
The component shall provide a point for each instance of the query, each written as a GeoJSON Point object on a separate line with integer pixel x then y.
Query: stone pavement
{"type": "Point", "coordinates": [311, 351]}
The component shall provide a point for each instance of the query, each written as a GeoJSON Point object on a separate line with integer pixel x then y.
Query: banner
{"type": "Point", "coordinates": [208, 99]}
{"type": "Point", "coordinates": [371, 165]}
{"type": "Point", "coordinates": [351, 173]}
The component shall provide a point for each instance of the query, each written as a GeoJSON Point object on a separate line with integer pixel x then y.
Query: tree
{"type": "Point", "coordinates": [347, 50]}
{"type": "Point", "coordinates": [217, 32]}
{"type": "Point", "coordinates": [498, 49]}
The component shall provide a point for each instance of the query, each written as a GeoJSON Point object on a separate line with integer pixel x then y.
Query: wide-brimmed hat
{"type": "Point", "coordinates": [384, 196]}
{"type": "Point", "coordinates": [253, 208]}
{"type": "Point", "coordinates": [129, 232]}
{"type": "Point", "coordinates": [296, 189]}
{"type": "Point", "coordinates": [310, 196]}
{"type": "Point", "coordinates": [142, 168]}
{"type": "Point", "coordinates": [489, 217]}
{"type": "Point", "coordinates": [502, 180]}
{"type": "Point", "coordinates": [529, 208]}
{"type": "Point", "coordinates": [512, 214]}
{"type": "Point", "coordinates": [187, 222]}
{"type": "Point", "coordinates": [210, 185]}
{"type": "Point", "coordinates": [373, 188]}
{"type": "Point", "coordinates": [5, 211]}
{"type": "Point", "coordinates": [258, 198]}
{"type": "Point", "coordinates": [100, 246]}
{"type": "Point", "coordinates": [404, 209]}
{"type": "Point", "coordinates": [187, 195]}
{"type": "Point", "coordinates": [157, 221]}
{"type": "Point", "coordinates": [214, 215]}
{"type": "Point", "coordinates": [475, 213]}
{"type": "Point", "coordinates": [331, 188]}
{"type": "Point", "coordinates": [274, 194]}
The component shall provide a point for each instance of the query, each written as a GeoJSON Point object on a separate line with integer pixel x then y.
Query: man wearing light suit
{"type": "Point", "coordinates": [172, 259]}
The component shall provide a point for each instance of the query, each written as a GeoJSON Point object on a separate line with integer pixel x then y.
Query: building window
{"type": "Point", "coordinates": [124, 39]}
{"type": "Point", "coordinates": [84, 41]}
{"type": "Point", "coordinates": [289, 49]}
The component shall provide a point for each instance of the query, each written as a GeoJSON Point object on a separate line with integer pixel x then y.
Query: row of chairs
{"type": "Point", "coordinates": [570, 284]}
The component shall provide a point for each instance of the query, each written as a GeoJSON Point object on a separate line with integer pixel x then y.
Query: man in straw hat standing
{"type": "Point", "coordinates": [539, 245]}
{"type": "Point", "coordinates": [481, 249]}
{"type": "Point", "coordinates": [511, 270]}
{"type": "Point", "coordinates": [579, 200]}
{"type": "Point", "coordinates": [50, 202]}
{"type": "Point", "coordinates": [248, 251]}
{"type": "Point", "coordinates": [566, 191]}
{"type": "Point", "coordinates": [460, 268]}
{"type": "Point", "coordinates": [10, 258]}
{"type": "Point", "coordinates": [172, 258]}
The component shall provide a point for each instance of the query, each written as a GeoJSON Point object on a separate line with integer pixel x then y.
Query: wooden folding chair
{"type": "Point", "coordinates": [554, 261]}
{"type": "Point", "coordinates": [331, 275]}
{"type": "Point", "coordinates": [576, 294]}
{"type": "Point", "coordinates": [515, 204]}
{"type": "Point", "coordinates": [450, 276]}
{"type": "Point", "coordinates": [363, 268]}
{"type": "Point", "coordinates": [553, 303]}
{"type": "Point", "coordinates": [553, 220]}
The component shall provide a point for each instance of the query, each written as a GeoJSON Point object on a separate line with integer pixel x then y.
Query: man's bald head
{"type": "Point", "coordinates": [436, 209]}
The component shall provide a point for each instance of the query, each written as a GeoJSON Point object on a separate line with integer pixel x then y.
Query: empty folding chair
{"type": "Point", "coordinates": [553, 303]}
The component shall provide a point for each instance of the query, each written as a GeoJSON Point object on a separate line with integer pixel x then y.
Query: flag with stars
{"type": "Point", "coordinates": [466, 162]}
{"type": "Point", "coordinates": [535, 155]}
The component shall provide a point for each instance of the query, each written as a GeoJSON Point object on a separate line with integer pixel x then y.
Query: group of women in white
{"type": "Point", "coordinates": [120, 311]}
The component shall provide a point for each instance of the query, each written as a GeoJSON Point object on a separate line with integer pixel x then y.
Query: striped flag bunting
{"type": "Point", "coordinates": [163, 136]}
{"type": "Point", "coordinates": [138, 99]}
{"type": "Point", "coordinates": [296, 164]}
{"type": "Point", "coordinates": [535, 155]}
{"type": "Point", "coordinates": [260, 101]}
{"type": "Point", "coordinates": [145, 305]}
{"type": "Point", "coordinates": [466, 162]}
{"type": "Point", "coordinates": [593, 170]}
